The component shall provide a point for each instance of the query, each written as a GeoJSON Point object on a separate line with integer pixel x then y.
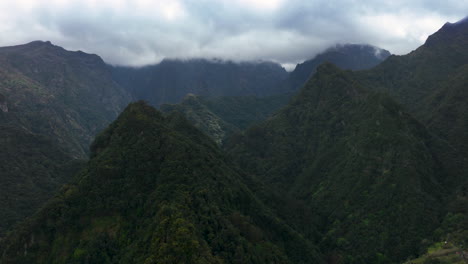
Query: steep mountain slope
{"type": "Point", "coordinates": [156, 190]}
{"type": "Point", "coordinates": [193, 108]}
{"type": "Point", "coordinates": [171, 80]}
{"type": "Point", "coordinates": [432, 83]}
{"type": "Point", "coordinates": [348, 56]}
{"type": "Point", "coordinates": [52, 103]}
{"type": "Point", "coordinates": [32, 168]}
{"type": "Point", "coordinates": [69, 96]}
{"type": "Point", "coordinates": [220, 117]}
{"type": "Point", "coordinates": [374, 172]}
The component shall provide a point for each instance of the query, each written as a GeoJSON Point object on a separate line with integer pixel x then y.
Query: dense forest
{"type": "Point", "coordinates": [356, 156]}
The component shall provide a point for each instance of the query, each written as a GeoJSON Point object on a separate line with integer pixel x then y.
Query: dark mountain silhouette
{"type": "Point", "coordinates": [52, 103]}
{"type": "Point", "coordinates": [157, 191]}
{"type": "Point", "coordinates": [365, 166]}
{"type": "Point", "coordinates": [220, 117]}
{"type": "Point", "coordinates": [431, 82]}
{"type": "Point", "coordinates": [347, 56]}
{"type": "Point", "coordinates": [375, 174]}
{"type": "Point", "coordinates": [171, 80]}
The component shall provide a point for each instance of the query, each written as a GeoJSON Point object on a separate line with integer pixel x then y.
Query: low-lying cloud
{"type": "Point", "coordinates": [139, 32]}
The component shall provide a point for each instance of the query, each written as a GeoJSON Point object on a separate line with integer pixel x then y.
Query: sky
{"type": "Point", "coordinates": [141, 32]}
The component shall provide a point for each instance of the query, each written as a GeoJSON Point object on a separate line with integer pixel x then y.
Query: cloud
{"type": "Point", "coordinates": [139, 32]}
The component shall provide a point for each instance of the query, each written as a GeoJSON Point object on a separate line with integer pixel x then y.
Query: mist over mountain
{"type": "Point", "coordinates": [431, 82]}
{"type": "Point", "coordinates": [171, 80]}
{"type": "Point", "coordinates": [357, 156]}
{"type": "Point", "coordinates": [344, 146]}
{"type": "Point", "coordinates": [347, 56]}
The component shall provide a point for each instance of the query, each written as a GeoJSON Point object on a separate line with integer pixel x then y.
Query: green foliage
{"type": "Point", "coordinates": [353, 155]}
{"type": "Point", "coordinates": [52, 103]}
{"type": "Point", "coordinates": [349, 57]}
{"type": "Point", "coordinates": [221, 117]}
{"type": "Point", "coordinates": [156, 190]}
{"type": "Point", "coordinates": [32, 168]}
{"type": "Point", "coordinates": [431, 83]}
{"type": "Point", "coordinates": [171, 80]}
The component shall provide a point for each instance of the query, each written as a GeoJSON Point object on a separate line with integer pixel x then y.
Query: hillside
{"type": "Point", "coordinates": [348, 57]}
{"type": "Point", "coordinates": [67, 95]}
{"type": "Point", "coordinates": [32, 168]}
{"type": "Point", "coordinates": [156, 190]}
{"type": "Point", "coordinates": [171, 80]}
{"type": "Point", "coordinates": [220, 117]}
{"type": "Point", "coordinates": [431, 82]}
{"type": "Point", "coordinates": [375, 174]}
{"type": "Point", "coordinates": [52, 103]}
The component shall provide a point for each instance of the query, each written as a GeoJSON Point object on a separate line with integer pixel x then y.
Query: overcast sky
{"type": "Point", "coordinates": [139, 32]}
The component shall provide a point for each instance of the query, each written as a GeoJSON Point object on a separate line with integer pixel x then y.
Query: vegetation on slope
{"type": "Point", "coordinates": [156, 191]}
{"type": "Point", "coordinates": [171, 80]}
{"type": "Point", "coordinates": [348, 57]}
{"type": "Point", "coordinates": [431, 82]}
{"type": "Point", "coordinates": [32, 168]}
{"type": "Point", "coordinates": [52, 103]}
{"type": "Point", "coordinates": [220, 117]}
{"type": "Point", "coordinates": [376, 174]}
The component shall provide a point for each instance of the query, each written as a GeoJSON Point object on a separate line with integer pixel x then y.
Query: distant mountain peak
{"type": "Point", "coordinates": [449, 34]}
{"type": "Point", "coordinates": [40, 42]}
{"type": "Point", "coordinates": [345, 56]}
{"type": "Point", "coordinates": [463, 21]}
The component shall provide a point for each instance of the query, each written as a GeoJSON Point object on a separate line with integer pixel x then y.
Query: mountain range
{"type": "Point", "coordinates": [171, 80]}
{"type": "Point", "coordinates": [361, 159]}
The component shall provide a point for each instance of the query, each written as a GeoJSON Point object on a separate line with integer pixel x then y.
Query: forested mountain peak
{"type": "Point", "coordinates": [346, 56]}
{"type": "Point", "coordinates": [352, 152]}
{"type": "Point", "coordinates": [172, 79]}
{"type": "Point", "coordinates": [157, 191]}
{"type": "Point", "coordinates": [53, 99]}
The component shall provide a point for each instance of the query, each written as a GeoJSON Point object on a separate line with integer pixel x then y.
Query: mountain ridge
{"type": "Point", "coordinates": [350, 153]}
{"type": "Point", "coordinates": [191, 213]}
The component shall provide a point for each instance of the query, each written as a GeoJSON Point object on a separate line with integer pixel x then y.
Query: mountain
{"type": "Point", "coordinates": [378, 177]}
{"type": "Point", "coordinates": [171, 80]}
{"type": "Point", "coordinates": [32, 168]}
{"type": "Point", "coordinates": [198, 113]}
{"type": "Point", "coordinates": [452, 235]}
{"type": "Point", "coordinates": [69, 96]}
{"type": "Point", "coordinates": [52, 103]}
{"type": "Point", "coordinates": [220, 117]}
{"type": "Point", "coordinates": [431, 82]}
{"type": "Point", "coordinates": [347, 56]}
{"type": "Point", "coordinates": [156, 190]}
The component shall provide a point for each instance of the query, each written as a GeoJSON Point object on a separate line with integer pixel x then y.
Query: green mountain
{"type": "Point", "coordinates": [348, 56]}
{"type": "Point", "coordinates": [69, 96]}
{"type": "Point", "coordinates": [220, 117]}
{"type": "Point", "coordinates": [156, 190]}
{"type": "Point", "coordinates": [52, 103]}
{"type": "Point", "coordinates": [374, 173]}
{"type": "Point", "coordinates": [171, 80]}
{"type": "Point", "coordinates": [452, 235]}
{"type": "Point", "coordinates": [431, 82]}
{"type": "Point", "coordinates": [32, 168]}
{"type": "Point", "coordinates": [359, 167]}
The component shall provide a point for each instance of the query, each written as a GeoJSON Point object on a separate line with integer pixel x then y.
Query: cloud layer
{"type": "Point", "coordinates": [139, 32]}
